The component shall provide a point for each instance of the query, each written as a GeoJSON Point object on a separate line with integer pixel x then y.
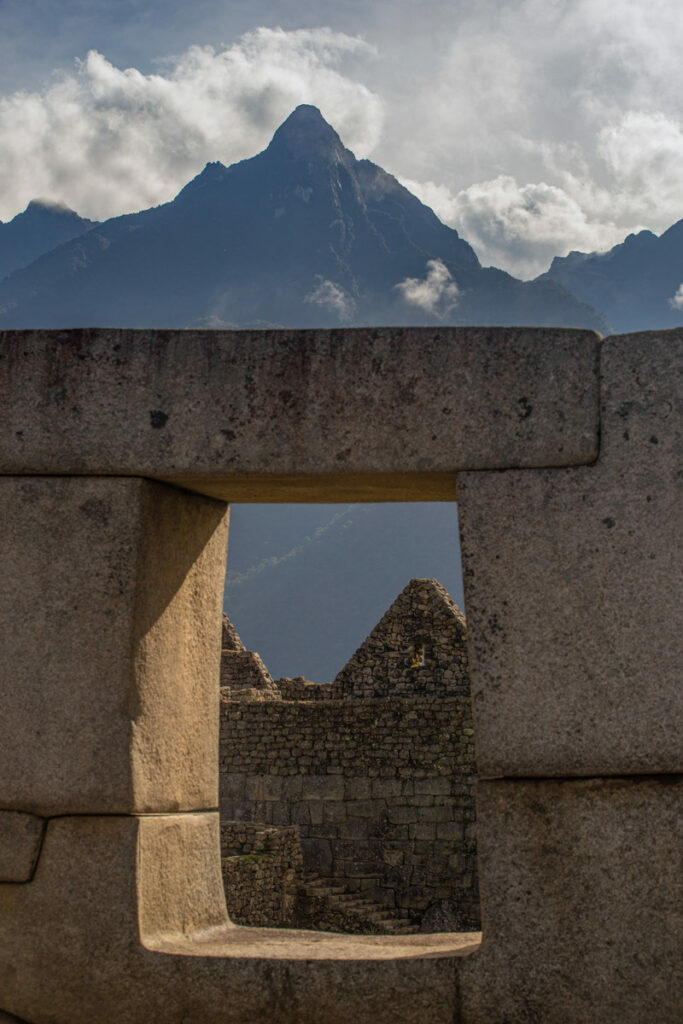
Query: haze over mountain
{"type": "Point", "coordinates": [637, 284]}
{"type": "Point", "coordinates": [41, 227]}
{"type": "Point", "coordinates": [302, 234]}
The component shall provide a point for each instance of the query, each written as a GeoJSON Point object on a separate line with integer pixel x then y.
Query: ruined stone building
{"type": "Point", "coordinates": [375, 771]}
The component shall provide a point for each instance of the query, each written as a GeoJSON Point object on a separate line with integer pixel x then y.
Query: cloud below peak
{"type": "Point", "coordinates": [436, 293]}
{"type": "Point", "coordinates": [332, 297]}
{"type": "Point", "coordinates": [676, 302]}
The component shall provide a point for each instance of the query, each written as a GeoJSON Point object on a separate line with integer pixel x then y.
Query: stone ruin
{"type": "Point", "coordinates": [376, 771]}
{"type": "Point", "coordinates": [243, 673]}
{"type": "Point", "coordinates": [418, 648]}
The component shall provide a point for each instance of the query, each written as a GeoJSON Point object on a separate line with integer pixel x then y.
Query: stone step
{"type": "Point", "coordinates": [365, 910]}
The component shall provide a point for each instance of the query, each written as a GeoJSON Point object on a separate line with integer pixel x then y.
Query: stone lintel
{"type": "Point", "coordinates": [384, 414]}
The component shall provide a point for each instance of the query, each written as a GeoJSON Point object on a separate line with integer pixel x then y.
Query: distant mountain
{"type": "Point", "coordinates": [41, 227]}
{"type": "Point", "coordinates": [302, 234]}
{"type": "Point", "coordinates": [634, 283]}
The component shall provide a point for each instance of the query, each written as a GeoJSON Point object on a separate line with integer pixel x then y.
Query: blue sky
{"type": "Point", "coordinates": [533, 127]}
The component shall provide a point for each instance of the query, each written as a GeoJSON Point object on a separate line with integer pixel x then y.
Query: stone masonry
{"type": "Point", "coordinates": [566, 452]}
{"type": "Point", "coordinates": [242, 671]}
{"type": "Point", "coordinates": [418, 648]}
{"type": "Point", "coordinates": [262, 872]}
{"type": "Point", "coordinates": [380, 784]}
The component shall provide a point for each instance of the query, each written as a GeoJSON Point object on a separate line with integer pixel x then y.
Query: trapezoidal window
{"type": "Point", "coordinates": [347, 770]}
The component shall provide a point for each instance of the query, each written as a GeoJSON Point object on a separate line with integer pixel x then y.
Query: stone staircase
{"type": "Point", "coordinates": [327, 906]}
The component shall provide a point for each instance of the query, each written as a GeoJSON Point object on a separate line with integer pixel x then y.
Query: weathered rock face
{"type": "Point", "coordinates": [300, 688]}
{"type": "Point", "coordinates": [370, 415]}
{"type": "Point", "coordinates": [382, 791]}
{"type": "Point", "coordinates": [572, 583]}
{"type": "Point", "coordinates": [244, 670]}
{"type": "Point", "coordinates": [418, 648]}
{"type": "Point", "coordinates": [120, 575]}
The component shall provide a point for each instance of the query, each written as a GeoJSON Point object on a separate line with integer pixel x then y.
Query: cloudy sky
{"type": "Point", "coordinates": [532, 126]}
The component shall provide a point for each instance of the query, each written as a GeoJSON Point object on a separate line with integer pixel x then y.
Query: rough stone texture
{"type": "Point", "coordinates": [418, 647]}
{"type": "Point", "coordinates": [380, 787]}
{"type": "Point", "coordinates": [124, 920]}
{"type": "Point", "coordinates": [272, 415]}
{"type": "Point", "coordinates": [582, 900]}
{"type": "Point", "coordinates": [300, 688]}
{"type": "Point", "coordinates": [330, 907]}
{"type": "Point", "coordinates": [20, 839]}
{"type": "Point", "coordinates": [230, 639]}
{"type": "Point", "coordinates": [262, 872]}
{"type": "Point", "coordinates": [244, 670]}
{"type": "Point", "coordinates": [110, 608]}
{"type": "Point", "coordinates": [573, 588]}
{"type": "Point", "coordinates": [148, 940]}
{"type": "Point", "coordinates": [382, 791]}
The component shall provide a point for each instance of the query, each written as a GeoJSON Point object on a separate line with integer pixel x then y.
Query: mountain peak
{"type": "Point", "coordinates": [51, 205]}
{"type": "Point", "coordinates": [306, 133]}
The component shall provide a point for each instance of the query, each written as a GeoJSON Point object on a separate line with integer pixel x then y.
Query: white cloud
{"type": "Point", "coordinates": [437, 293]}
{"type": "Point", "coordinates": [549, 124]}
{"type": "Point", "coordinates": [633, 183]}
{"type": "Point", "coordinates": [518, 227]}
{"type": "Point", "coordinates": [108, 141]}
{"type": "Point", "coordinates": [532, 126]}
{"type": "Point", "coordinates": [677, 301]}
{"type": "Point", "coordinates": [644, 154]}
{"type": "Point", "coordinates": [333, 297]}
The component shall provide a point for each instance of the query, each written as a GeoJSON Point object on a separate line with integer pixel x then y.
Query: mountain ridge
{"type": "Point", "coordinates": [635, 281]}
{"type": "Point", "coordinates": [300, 235]}
{"type": "Point", "coordinates": [38, 229]}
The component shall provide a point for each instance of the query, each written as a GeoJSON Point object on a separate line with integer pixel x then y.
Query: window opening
{"type": "Point", "coordinates": [347, 778]}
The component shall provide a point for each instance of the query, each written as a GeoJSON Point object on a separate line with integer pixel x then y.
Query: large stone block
{"type": "Point", "coordinates": [385, 413]}
{"type": "Point", "coordinates": [20, 839]}
{"type": "Point", "coordinates": [573, 584]}
{"type": "Point", "coordinates": [110, 631]}
{"type": "Point", "coordinates": [582, 891]}
{"type": "Point", "coordinates": [125, 923]}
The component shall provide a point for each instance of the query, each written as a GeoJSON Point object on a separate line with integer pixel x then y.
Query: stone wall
{"type": "Point", "coordinates": [243, 671]}
{"type": "Point", "coordinates": [108, 617]}
{"type": "Point", "coordinates": [419, 646]}
{"type": "Point", "coordinates": [382, 791]}
{"type": "Point", "coordinates": [262, 872]}
{"type": "Point", "coordinates": [300, 688]}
